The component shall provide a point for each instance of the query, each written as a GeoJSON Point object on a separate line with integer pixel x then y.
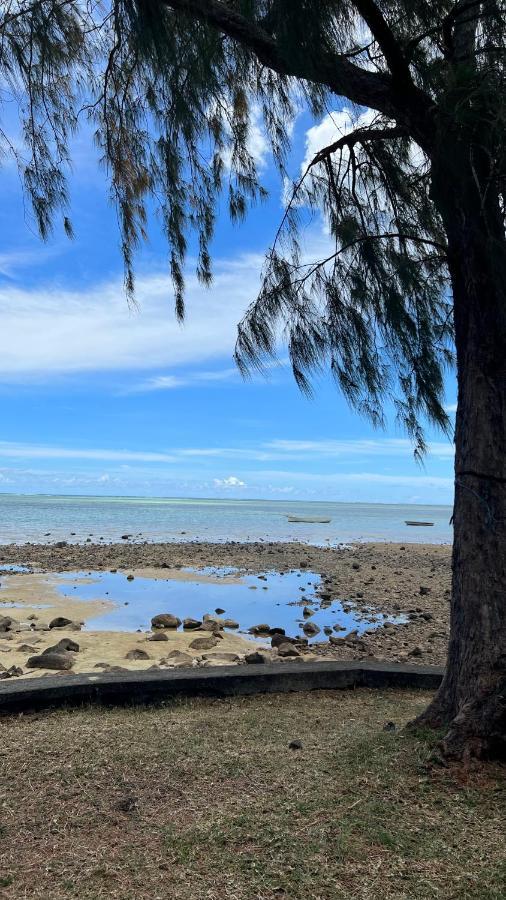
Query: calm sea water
{"type": "Point", "coordinates": [45, 518]}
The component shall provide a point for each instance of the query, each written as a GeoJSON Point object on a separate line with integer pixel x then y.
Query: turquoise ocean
{"type": "Point", "coordinates": [46, 518]}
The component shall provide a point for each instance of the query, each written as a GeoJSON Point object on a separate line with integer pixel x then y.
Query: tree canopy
{"type": "Point", "coordinates": [169, 88]}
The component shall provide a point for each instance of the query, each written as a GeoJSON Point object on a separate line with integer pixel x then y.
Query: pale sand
{"type": "Point", "coordinates": [30, 592]}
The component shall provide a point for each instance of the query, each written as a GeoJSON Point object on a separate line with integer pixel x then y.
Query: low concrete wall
{"type": "Point", "coordinates": [17, 695]}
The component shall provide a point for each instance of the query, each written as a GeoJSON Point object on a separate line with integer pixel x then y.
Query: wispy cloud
{"type": "Point", "coordinates": [274, 450]}
{"type": "Point", "coordinates": [188, 379]}
{"type": "Point", "coordinates": [47, 332]}
{"type": "Point", "coordinates": [336, 448]}
{"type": "Point", "coordinates": [40, 451]}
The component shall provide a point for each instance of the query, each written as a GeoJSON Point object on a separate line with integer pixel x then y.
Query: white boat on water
{"type": "Point", "coordinates": [313, 520]}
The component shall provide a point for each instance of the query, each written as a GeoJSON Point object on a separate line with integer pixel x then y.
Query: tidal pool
{"type": "Point", "coordinates": [272, 597]}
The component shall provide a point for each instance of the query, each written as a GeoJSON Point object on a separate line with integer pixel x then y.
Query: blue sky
{"type": "Point", "coordinates": [100, 399]}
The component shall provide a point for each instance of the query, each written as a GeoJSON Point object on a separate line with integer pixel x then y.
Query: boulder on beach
{"type": "Point", "coordinates": [288, 650]}
{"type": "Point", "coordinates": [175, 654]}
{"type": "Point", "coordinates": [310, 628]}
{"type": "Point", "coordinates": [336, 641]}
{"type": "Point", "coordinates": [165, 620]}
{"type": "Point", "coordinates": [63, 622]}
{"type": "Point", "coordinates": [203, 643]}
{"type": "Point", "coordinates": [222, 656]}
{"type": "Point", "coordinates": [190, 623]}
{"type": "Point", "coordinates": [7, 623]}
{"type": "Point", "coordinates": [278, 639]}
{"type": "Point", "coordinates": [177, 658]}
{"type": "Point", "coordinates": [211, 625]}
{"type": "Point", "coordinates": [256, 658]}
{"type": "Point", "coordinates": [137, 653]}
{"type": "Point", "coordinates": [66, 644]}
{"type": "Point", "coordinates": [13, 672]}
{"type": "Point", "coordinates": [158, 636]}
{"type": "Point", "coordinates": [260, 629]}
{"type": "Point", "coordinates": [59, 661]}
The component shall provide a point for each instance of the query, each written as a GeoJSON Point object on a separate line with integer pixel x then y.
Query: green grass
{"type": "Point", "coordinates": [205, 800]}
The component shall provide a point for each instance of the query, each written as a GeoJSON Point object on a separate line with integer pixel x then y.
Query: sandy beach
{"type": "Point", "coordinates": [411, 581]}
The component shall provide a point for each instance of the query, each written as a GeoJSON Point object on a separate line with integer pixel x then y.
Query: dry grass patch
{"type": "Point", "coordinates": [205, 800]}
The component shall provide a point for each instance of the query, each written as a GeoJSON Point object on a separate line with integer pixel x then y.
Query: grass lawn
{"type": "Point", "coordinates": [204, 800]}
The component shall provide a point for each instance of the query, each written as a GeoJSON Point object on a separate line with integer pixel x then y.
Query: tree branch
{"type": "Point", "coordinates": [359, 136]}
{"type": "Point", "coordinates": [334, 71]}
{"type": "Point", "coordinates": [385, 38]}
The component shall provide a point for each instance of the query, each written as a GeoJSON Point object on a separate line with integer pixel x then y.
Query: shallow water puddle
{"type": "Point", "coordinates": [271, 598]}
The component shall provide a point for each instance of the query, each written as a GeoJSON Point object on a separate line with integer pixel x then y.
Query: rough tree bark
{"type": "Point", "coordinates": [472, 698]}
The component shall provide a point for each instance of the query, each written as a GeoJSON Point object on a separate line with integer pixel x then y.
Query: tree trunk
{"type": "Point", "coordinates": [472, 698]}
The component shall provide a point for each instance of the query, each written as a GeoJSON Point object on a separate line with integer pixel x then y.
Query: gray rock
{"type": "Point", "coordinates": [27, 648]}
{"type": "Point", "coordinates": [204, 643]}
{"type": "Point", "coordinates": [230, 623]}
{"type": "Point", "coordinates": [137, 653]}
{"type": "Point", "coordinates": [256, 658]}
{"type": "Point", "coordinates": [278, 639]}
{"type": "Point", "coordinates": [310, 628]}
{"type": "Point", "coordinates": [165, 620]}
{"type": "Point", "coordinates": [62, 622]}
{"type": "Point", "coordinates": [158, 636]}
{"type": "Point", "coordinates": [178, 658]}
{"type": "Point", "coordinates": [7, 623]}
{"type": "Point", "coordinates": [13, 672]}
{"type": "Point", "coordinates": [223, 656]}
{"type": "Point", "coordinates": [260, 629]}
{"type": "Point", "coordinates": [295, 745]}
{"type": "Point", "coordinates": [61, 661]}
{"type": "Point", "coordinates": [286, 650]}
{"type": "Point", "coordinates": [62, 646]}
{"type": "Point", "coordinates": [189, 624]}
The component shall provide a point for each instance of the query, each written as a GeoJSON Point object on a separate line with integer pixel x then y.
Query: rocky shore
{"type": "Point", "coordinates": [410, 581]}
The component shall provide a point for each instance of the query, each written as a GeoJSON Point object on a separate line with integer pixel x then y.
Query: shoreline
{"type": "Point", "coordinates": [411, 580]}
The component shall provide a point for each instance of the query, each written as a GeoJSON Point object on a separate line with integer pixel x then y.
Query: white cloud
{"type": "Point", "coordinates": [380, 447]}
{"type": "Point", "coordinates": [53, 331]}
{"type": "Point", "coordinates": [333, 126]}
{"type": "Point", "coordinates": [335, 479]}
{"type": "Point", "coordinates": [231, 482]}
{"type": "Point", "coordinates": [40, 451]}
{"type": "Point", "coordinates": [451, 408]}
{"type": "Point", "coordinates": [188, 379]}
{"type": "Point", "coordinates": [275, 450]}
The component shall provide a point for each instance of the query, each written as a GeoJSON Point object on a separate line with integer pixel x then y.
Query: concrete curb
{"type": "Point", "coordinates": [224, 681]}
